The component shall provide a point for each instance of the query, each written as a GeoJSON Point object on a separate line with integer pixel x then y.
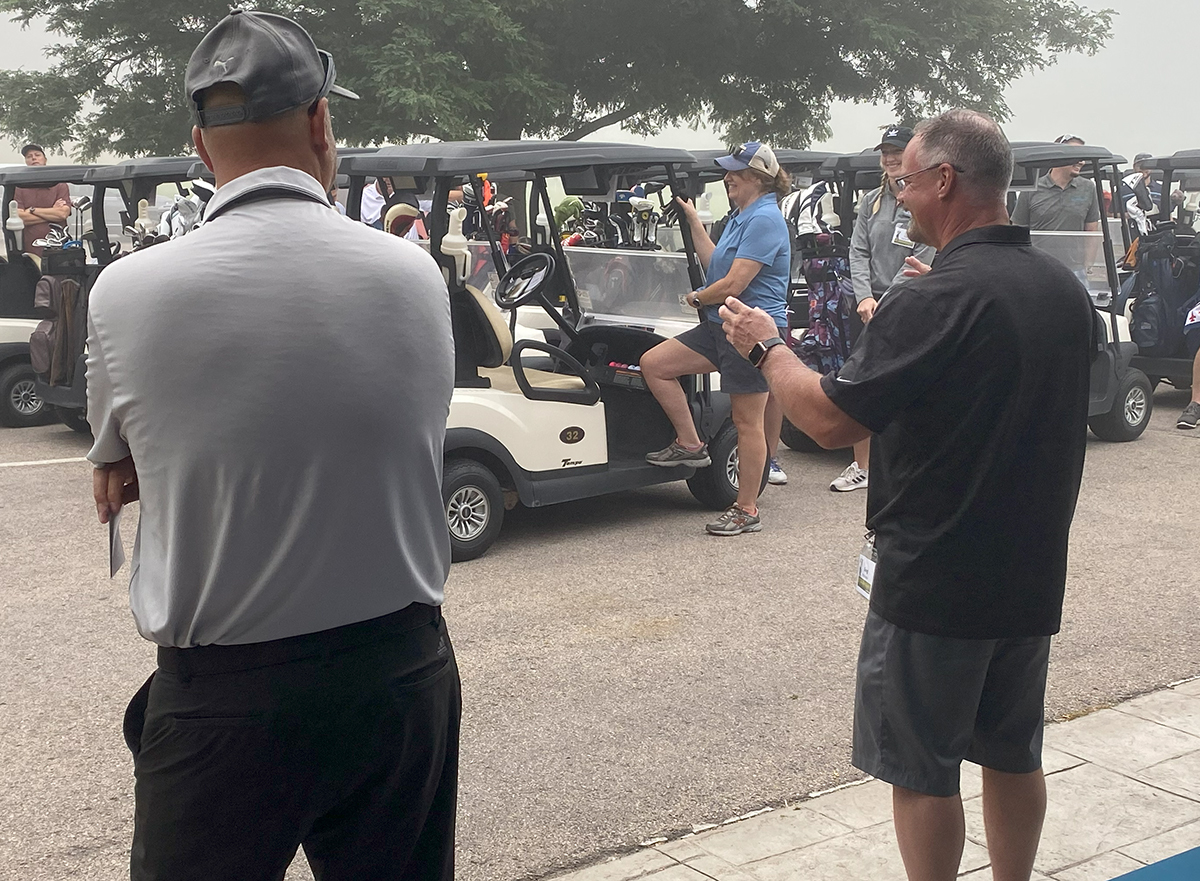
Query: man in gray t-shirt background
{"type": "Point", "coordinates": [1062, 201]}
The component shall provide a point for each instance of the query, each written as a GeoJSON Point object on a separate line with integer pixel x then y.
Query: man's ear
{"type": "Point", "coordinates": [198, 140]}
{"type": "Point", "coordinates": [320, 126]}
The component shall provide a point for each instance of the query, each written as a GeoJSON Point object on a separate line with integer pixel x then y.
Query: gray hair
{"type": "Point", "coordinates": [974, 144]}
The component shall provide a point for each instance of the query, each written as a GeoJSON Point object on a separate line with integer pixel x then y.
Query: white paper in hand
{"type": "Point", "coordinates": [116, 549]}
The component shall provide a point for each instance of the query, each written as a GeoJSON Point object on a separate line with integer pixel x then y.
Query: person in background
{"type": "Point", "coordinates": [752, 261]}
{"type": "Point", "coordinates": [879, 247]}
{"type": "Point", "coordinates": [375, 195]}
{"type": "Point", "coordinates": [1063, 201]}
{"type": "Point", "coordinates": [1138, 196]}
{"type": "Point", "coordinates": [39, 207]}
{"type": "Point", "coordinates": [333, 198]}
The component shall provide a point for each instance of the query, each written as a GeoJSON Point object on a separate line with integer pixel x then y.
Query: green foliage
{"type": "Point", "coordinates": [462, 69]}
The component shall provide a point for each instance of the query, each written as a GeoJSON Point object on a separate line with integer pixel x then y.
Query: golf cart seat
{"type": "Point", "coordinates": [491, 323]}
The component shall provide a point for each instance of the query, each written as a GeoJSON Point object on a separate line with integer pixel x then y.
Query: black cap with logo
{"type": "Point", "coordinates": [273, 60]}
{"type": "Point", "coordinates": [896, 136]}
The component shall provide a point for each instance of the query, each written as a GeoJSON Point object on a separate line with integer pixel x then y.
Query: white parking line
{"type": "Point", "coordinates": [41, 462]}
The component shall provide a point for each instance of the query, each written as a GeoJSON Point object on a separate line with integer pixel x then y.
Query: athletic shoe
{"type": "Point", "coordinates": [734, 521]}
{"type": "Point", "coordinates": [776, 476]}
{"type": "Point", "coordinates": [678, 454]}
{"type": "Point", "coordinates": [1189, 417]}
{"type": "Point", "coordinates": [851, 479]}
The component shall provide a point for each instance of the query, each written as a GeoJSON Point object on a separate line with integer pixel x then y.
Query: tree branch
{"type": "Point", "coordinates": [600, 122]}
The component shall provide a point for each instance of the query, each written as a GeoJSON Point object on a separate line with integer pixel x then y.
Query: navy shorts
{"type": "Point", "coordinates": [924, 703]}
{"type": "Point", "coordinates": [738, 376]}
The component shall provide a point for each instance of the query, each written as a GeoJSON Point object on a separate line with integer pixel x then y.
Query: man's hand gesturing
{"type": "Point", "coordinates": [745, 326]}
{"type": "Point", "coordinates": [114, 485]}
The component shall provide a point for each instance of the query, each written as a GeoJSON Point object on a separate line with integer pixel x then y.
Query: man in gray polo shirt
{"type": "Point", "coordinates": [274, 387]}
{"type": "Point", "coordinates": [1063, 201]}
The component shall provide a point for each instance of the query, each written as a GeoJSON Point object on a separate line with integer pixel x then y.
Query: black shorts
{"type": "Point", "coordinates": [738, 376]}
{"type": "Point", "coordinates": [924, 703]}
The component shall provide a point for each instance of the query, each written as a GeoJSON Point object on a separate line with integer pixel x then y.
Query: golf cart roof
{"type": "Point", "coordinates": [788, 159]}
{"type": "Point", "coordinates": [164, 168]}
{"type": "Point", "coordinates": [1183, 159]}
{"type": "Point", "coordinates": [498, 157]}
{"type": "Point", "coordinates": [44, 175]}
{"type": "Point", "coordinates": [1026, 155]}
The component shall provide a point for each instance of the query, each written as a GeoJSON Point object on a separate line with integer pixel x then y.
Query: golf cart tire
{"type": "Point", "coordinates": [712, 486]}
{"type": "Point", "coordinates": [467, 484]}
{"type": "Point", "coordinates": [1131, 410]}
{"type": "Point", "coordinates": [20, 407]}
{"type": "Point", "coordinates": [74, 419]}
{"type": "Point", "coordinates": [796, 439]}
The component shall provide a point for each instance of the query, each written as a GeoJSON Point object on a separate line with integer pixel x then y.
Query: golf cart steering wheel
{"type": "Point", "coordinates": [526, 281]}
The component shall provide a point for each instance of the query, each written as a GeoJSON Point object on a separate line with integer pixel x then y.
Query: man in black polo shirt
{"type": "Point", "coordinates": [980, 418]}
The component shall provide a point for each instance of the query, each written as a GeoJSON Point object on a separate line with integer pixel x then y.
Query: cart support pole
{"type": "Point", "coordinates": [1110, 262]}
{"type": "Point", "coordinates": [695, 270]}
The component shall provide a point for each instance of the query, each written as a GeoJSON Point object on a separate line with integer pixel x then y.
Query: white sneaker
{"type": "Point", "coordinates": [851, 479]}
{"type": "Point", "coordinates": [776, 476]}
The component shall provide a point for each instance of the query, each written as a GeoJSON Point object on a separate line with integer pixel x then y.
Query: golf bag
{"type": "Point", "coordinates": [1156, 320]}
{"type": "Point", "coordinates": [825, 261]}
{"type": "Point", "coordinates": [825, 345]}
{"type": "Point", "coordinates": [60, 300]}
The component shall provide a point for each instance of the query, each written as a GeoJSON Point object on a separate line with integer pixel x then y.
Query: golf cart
{"type": "Point", "coordinates": [21, 404]}
{"type": "Point", "coordinates": [131, 188]}
{"type": "Point", "coordinates": [581, 425]}
{"type": "Point", "coordinates": [1120, 399]}
{"type": "Point", "coordinates": [1167, 277]}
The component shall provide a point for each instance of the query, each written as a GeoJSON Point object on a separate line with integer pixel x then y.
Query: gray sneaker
{"type": "Point", "coordinates": [1189, 417]}
{"type": "Point", "coordinates": [677, 454]}
{"type": "Point", "coordinates": [849, 480]}
{"type": "Point", "coordinates": [734, 521]}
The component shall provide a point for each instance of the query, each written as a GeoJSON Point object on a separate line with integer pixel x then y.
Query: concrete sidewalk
{"type": "Point", "coordinates": [1124, 791]}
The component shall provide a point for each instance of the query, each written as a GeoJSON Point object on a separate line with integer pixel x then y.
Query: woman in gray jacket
{"type": "Point", "coordinates": [878, 249]}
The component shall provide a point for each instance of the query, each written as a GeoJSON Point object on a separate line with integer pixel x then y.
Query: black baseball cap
{"type": "Point", "coordinates": [25, 150]}
{"type": "Point", "coordinates": [272, 58]}
{"type": "Point", "coordinates": [896, 136]}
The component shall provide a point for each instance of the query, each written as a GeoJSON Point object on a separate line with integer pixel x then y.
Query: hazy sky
{"type": "Point", "coordinates": [1131, 96]}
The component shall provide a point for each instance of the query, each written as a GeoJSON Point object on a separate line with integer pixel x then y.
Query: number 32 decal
{"type": "Point", "coordinates": [571, 435]}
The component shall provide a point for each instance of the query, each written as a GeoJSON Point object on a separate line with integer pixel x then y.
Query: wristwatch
{"type": "Point", "coordinates": [758, 351]}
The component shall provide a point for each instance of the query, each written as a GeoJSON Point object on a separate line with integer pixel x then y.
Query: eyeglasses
{"type": "Point", "coordinates": [902, 181]}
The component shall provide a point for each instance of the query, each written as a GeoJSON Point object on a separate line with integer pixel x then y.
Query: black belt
{"type": "Point", "coordinates": [203, 659]}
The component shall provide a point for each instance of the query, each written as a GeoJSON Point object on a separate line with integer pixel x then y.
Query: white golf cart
{"type": "Point", "coordinates": [533, 423]}
{"type": "Point", "coordinates": [21, 401]}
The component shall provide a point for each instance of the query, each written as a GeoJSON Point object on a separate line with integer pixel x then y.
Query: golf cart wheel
{"type": "Point", "coordinates": [20, 406]}
{"type": "Point", "coordinates": [474, 506]}
{"type": "Point", "coordinates": [74, 419]}
{"type": "Point", "coordinates": [1131, 410]}
{"type": "Point", "coordinates": [796, 439]}
{"type": "Point", "coordinates": [716, 486]}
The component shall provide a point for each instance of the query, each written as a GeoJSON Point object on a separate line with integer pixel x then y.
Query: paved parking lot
{"type": "Point", "coordinates": [625, 675]}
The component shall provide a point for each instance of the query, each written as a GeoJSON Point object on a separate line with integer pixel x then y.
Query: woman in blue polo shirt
{"type": "Point", "coordinates": [751, 261]}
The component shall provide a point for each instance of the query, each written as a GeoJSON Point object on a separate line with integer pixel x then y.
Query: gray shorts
{"type": "Point", "coordinates": [924, 703]}
{"type": "Point", "coordinates": [738, 376]}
